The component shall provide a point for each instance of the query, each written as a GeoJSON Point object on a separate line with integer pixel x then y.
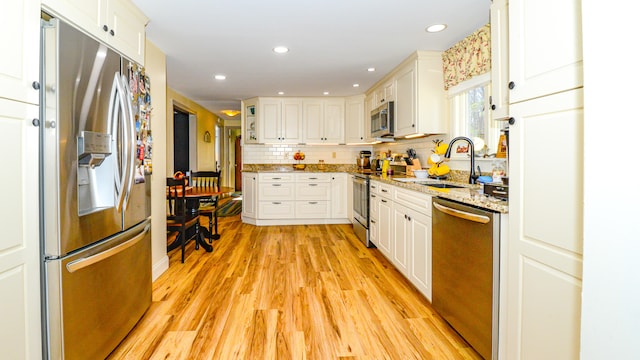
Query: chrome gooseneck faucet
{"type": "Point", "coordinates": [472, 174]}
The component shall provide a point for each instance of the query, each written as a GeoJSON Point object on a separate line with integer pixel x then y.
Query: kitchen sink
{"type": "Point", "coordinates": [443, 186]}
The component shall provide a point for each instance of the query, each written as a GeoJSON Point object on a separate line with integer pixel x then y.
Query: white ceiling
{"type": "Point", "coordinates": [332, 43]}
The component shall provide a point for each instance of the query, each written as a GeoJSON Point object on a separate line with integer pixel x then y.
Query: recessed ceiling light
{"type": "Point", "coordinates": [220, 77]}
{"type": "Point", "coordinates": [371, 69]}
{"type": "Point", "coordinates": [281, 49]}
{"type": "Point", "coordinates": [356, 85]}
{"type": "Point", "coordinates": [280, 92]}
{"type": "Point", "coordinates": [435, 28]}
{"type": "Point", "coordinates": [325, 93]}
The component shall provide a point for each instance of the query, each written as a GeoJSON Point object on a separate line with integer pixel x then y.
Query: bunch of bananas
{"type": "Point", "coordinates": [436, 159]}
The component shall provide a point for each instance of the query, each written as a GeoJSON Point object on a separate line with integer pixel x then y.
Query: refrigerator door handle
{"type": "Point", "coordinates": [129, 126]}
{"type": "Point", "coordinates": [90, 260]}
{"type": "Point", "coordinates": [114, 110]}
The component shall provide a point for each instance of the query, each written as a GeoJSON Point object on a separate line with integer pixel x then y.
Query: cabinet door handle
{"type": "Point", "coordinates": [276, 185]}
{"type": "Point", "coordinates": [105, 28]}
{"type": "Point", "coordinates": [373, 221]}
{"type": "Point", "coordinates": [511, 85]}
{"type": "Point", "coordinates": [383, 190]}
{"type": "Point", "coordinates": [313, 202]}
{"type": "Point", "coordinates": [408, 218]}
{"type": "Point", "coordinates": [313, 178]}
{"type": "Point", "coordinates": [373, 196]}
{"type": "Point", "coordinates": [313, 184]}
{"type": "Point", "coordinates": [383, 200]}
{"type": "Point", "coordinates": [276, 178]}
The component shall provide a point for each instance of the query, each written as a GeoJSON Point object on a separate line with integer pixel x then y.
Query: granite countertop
{"type": "Point", "coordinates": [468, 194]}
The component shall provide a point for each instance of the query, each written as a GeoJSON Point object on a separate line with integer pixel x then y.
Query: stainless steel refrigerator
{"type": "Point", "coordinates": [96, 241]}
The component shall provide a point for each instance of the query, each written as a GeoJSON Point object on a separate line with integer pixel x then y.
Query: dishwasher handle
{"type": "Point", "coordinates": [462, 214]}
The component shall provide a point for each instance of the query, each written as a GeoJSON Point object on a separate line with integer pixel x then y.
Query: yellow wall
{"type": "Point", "coordinates": [156, 69]}
{"type": "Point", "coordinates": [206, 121]}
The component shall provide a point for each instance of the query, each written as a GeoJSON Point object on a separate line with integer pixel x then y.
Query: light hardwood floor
{"type": "Point", "coordinates": [288, 292]}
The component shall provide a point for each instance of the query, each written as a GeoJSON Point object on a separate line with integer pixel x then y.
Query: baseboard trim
{"type": "Point", "coordinates": [160, 267]}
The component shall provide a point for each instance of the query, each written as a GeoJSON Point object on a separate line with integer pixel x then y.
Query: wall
{"type": "Point", "coordinates": [206, 121]}
{"type": "Point", "coordinates": [156, 68]}
{"type": "Point", "coordinates": [611, 285]}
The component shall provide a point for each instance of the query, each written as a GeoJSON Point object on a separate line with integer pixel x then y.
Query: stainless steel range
{"type": "Point", "coordinates": [361, 207]}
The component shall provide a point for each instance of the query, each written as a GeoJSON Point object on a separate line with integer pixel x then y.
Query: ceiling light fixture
{"type": "Point", "coordinates": [325, 93]}
{"type": "Point", "coordinates": [435, 28]}
{"type": "Point", "coordinates": [356, 85]}
{"type": "Point", "coordinates": [230, 113]}
{"type": "Point", "coordinates": [280, 92]}
{"type": "Point", "coordinates": [371, 69]}
{"type": "Point", "coordinates": [280, 49]}
{"type": "Point", "coordinates": [220, 77]}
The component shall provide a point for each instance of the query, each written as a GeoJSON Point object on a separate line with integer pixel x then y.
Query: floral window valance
{"type": "Point", "coordinates": [471, 56]}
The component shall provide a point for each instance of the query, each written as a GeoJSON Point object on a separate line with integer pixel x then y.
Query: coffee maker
{"type": "Point", "coordinates": [364, 161]}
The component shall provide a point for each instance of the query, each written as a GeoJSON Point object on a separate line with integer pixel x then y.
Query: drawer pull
{"type": "Point", "coordinates": [373, 221]}
{"type": "Point", "coordinates": [384, 190]}
{"type": "Point", "coordinates": [276, 203]}
{"type": "Point", "coordinates": [383, 200]}
{"type": "Point", "coordinates": [276, 185]}
{"type": "Point", "coordinates": [313, 184]}
{"type": "Point", "coordinates": [313, 178]}
{"type": "Point", "coordinates": [313, 202]}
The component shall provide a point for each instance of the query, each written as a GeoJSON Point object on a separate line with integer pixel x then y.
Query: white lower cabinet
{"type": "Point", "coordinates": [249, 195]}
{"type": "Point", "coordinates": [298, 198]}
{"type": "Point", "coordinates": [401, 230]}
{"type": "Point", "coordinates": [401, 235]}
{"type": "Point", "coordinates": [385, 227]}
{"type": "Point", "coordinates": [340, 196]}
{"type": "Point", "coordinates": [276, 209]}
{"type": "Point", "coordinates": [419, 249]}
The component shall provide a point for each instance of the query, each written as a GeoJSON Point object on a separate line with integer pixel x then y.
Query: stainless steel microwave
{"type": "Point", "coordinates": [382, 121]}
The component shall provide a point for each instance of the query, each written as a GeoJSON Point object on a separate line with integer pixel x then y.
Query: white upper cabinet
{"type": "Point", "coordinates": [323, 121]}
{"type": "Point", "coordinates": [118, 23]}
{"type": "Point", "coordinates": [545, 47]}
{"type": "Point", "coordinates": [499, 59]}
{"type": "Point", "coordinates": [355, 120]}
{"type": "Point", "coordinates": [19, 63]}
{"type": "Point", "coordinates": [279, 120]}
{"type": "Point", "coordinates": [420, 105]}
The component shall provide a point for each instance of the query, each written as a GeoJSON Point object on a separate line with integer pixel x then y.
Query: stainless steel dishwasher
{"type": "Point", "coordinates": [465, 272]}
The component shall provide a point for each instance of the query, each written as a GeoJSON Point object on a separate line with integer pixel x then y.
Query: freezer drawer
{"type": "Point", "coordinates": [96, 296]}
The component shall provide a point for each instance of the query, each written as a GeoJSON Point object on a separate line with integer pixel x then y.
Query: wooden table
{"type": "Point", "coordinates": [193, 195]}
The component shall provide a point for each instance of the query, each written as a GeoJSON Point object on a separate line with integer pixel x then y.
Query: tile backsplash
{"type": "Point", "coordinates": [283, 153]}
{"type": "Point", "coordinates": [347, 154]}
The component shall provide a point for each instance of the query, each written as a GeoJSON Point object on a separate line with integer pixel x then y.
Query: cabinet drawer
{"type": "Point", "coordinates": [312, 210]}
{"type": "Point", "coordinates": [313, 191]}
{"type": "Point", "coordinates": [385, 190]}
{"type": "Point", "coordinates": [313, 177]}
{"type": "Point", "coordinates": [276, 177]}
{"type": "Point", "coordinates": [276, 191]}
{"type": "Point", "coordinates": [417, 201]}
{"type": "Point", "coordinates": [276, 209]}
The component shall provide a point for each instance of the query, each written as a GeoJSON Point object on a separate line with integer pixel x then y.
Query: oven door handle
{"type": "Point", "coordinates": [462, 214]}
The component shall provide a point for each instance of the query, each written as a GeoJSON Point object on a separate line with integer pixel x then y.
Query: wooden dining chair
{"type": "Point", "coordinates": [180, 221]}
{"type": "Point", "coordinates": [208, 206]}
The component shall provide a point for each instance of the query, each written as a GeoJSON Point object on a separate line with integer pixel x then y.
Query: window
{"type": "Point", "coordinates": [470, 115]}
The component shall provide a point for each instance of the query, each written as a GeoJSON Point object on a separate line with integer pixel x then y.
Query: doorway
{"type": "Point", "coordinates": [184, 144]}
{"type": "Point", "coordinates": [233, 156]}
{"type": "Point", "coordinates": [180, 141]}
